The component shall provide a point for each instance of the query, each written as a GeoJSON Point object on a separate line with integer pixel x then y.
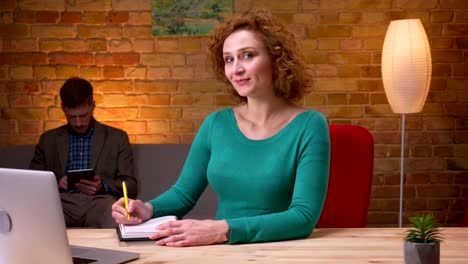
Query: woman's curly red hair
{"type": "Point", "coordinates": [290, 72]}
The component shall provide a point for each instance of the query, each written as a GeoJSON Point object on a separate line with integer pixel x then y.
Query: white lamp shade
{"type": "Point", "coordinates": [406, 66]}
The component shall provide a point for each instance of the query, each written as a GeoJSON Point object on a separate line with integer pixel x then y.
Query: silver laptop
{"type": "Point", "coordinates": [32, 227]}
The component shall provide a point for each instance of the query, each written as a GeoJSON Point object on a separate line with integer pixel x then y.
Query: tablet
{"type": "Point", "coordinates": [74, 176]}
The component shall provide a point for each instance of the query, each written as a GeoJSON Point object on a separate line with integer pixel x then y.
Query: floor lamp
{"type": "Point", "coordinates": [406, 75]}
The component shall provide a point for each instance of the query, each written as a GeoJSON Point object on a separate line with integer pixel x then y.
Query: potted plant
{"type": "Point", "coordinates": [422, 241]}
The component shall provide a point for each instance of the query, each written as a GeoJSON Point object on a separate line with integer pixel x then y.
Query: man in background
{"type": "Point", "coordinates": [84, 143]}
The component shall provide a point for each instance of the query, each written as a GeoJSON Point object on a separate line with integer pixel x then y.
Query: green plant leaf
{"type": "Point", "coordinates": [423, 229]}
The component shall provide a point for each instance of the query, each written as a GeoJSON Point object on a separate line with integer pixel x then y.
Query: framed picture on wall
{"type": "Point", "coordinates": [188, 17]}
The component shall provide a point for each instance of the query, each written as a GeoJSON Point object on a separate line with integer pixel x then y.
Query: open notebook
{"type": "Point", "coordinates": [32, 227]}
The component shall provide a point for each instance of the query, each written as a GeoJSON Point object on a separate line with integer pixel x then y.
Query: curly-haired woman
{"type": "Point", "coordinates": [267, 158]}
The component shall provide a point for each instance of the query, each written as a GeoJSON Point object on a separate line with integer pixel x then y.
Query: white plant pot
{"type": "Point", "coordinates": [422, 253]}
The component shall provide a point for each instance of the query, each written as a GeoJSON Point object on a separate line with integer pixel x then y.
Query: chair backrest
{"type": "Point", "coordinates": [350, 180]}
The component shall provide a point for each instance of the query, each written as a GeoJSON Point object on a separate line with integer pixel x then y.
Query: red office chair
{"type": "Point", "coordinates": [350, 180]}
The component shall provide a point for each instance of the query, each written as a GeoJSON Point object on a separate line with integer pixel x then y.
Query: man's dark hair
{"type": "Point", "coordinates": [75, 92]}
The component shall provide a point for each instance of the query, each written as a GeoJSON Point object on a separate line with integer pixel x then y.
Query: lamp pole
{"type": "Point", "coordinates": [402, 161]}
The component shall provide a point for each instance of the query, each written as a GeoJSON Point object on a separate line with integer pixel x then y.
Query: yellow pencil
{"type": "Point", "coordinates": [124, 187]}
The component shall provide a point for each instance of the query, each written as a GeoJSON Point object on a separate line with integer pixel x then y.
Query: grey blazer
{"type": "Point", "coordinates": [112, 157]}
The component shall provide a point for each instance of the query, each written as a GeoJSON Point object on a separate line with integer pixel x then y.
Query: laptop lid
{"type": "Point", "coordinates": [32, 227]}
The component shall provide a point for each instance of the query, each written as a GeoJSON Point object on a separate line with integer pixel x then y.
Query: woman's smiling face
{"type": "Point", "coordinates": [247, 64]}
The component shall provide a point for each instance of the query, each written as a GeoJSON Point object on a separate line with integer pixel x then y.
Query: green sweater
{"type": "Point", "coordinates": [270, 189]}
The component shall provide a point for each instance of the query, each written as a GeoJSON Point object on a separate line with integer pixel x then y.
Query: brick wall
{"type": "Point", "coordinates": [159, 89]}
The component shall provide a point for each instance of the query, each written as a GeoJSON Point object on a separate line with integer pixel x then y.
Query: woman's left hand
{"type": "Point", "coordinates": [190, 232]}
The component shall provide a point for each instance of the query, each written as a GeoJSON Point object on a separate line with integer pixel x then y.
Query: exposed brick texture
{"type": "Point", "coordinates": [159, 89]}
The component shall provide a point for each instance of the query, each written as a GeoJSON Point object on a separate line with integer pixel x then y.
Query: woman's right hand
{"type": "Point", "coordinates": [138, 211]}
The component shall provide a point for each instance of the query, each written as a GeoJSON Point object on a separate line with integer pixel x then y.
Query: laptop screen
{"type": "Point", "coordinates": [32, 226]}
{"type": "Point", "coordinates": [31, 200]}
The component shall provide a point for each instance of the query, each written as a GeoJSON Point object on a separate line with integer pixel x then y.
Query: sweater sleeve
{"type": "Point", "coordinates": [183, 195]}
{"type": "Point", "coordinates": [308, 197]}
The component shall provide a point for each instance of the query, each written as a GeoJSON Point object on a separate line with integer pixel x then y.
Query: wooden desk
{"type": "Point", "coordinates": [365, 245]}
